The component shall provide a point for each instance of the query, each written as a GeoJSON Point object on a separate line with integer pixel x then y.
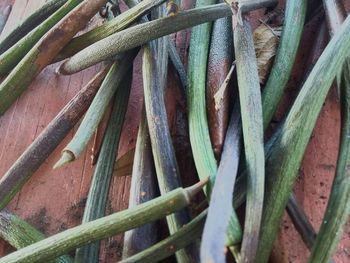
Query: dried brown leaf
{"type": "Point", "coordinates": [266, 41]}
{"type": "Point", "coordinates": [123, 164]}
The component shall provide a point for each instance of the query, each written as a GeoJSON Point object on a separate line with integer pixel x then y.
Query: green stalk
{"type": "Point", "coordinates": [252, 124]}
{"type": "Point", "coordinates": [98, 229]}
{"type": "Point", "coordinates": [106, 29]}
{"type": "Point", "coordinates": [163, 152]}
{"type": "Point", "coordinates": [29, 24]}
{"type": "Point", "coordinates": [19, 234]}
{"type": "Point", "coordinates": [97, 108]}
{"type": "Point", "coordinates": [182, 238]}
{"type": "Point", "coordinates": [4, 15]}
{"type": "Point", "coordinates": [289, 147]}
{"type": "Point", "coordinates": [300, 221]}
{"type": "Point", "coordinates": [338, 207]}
{"type": "Point", "coordinates": [214, 235]}
{"type": "Point", "coordinates": [45, 50]}
{"type": "Point", "coordinates": [141, 34]}
{"type": "Point", "coordinates": [14, 47]}
{"type": "Point", "coordinates": [295, 12]}
{"type": "Point", "coordinates": [143, 188]}
{"type": "Point", "coordinates": [99, 189]}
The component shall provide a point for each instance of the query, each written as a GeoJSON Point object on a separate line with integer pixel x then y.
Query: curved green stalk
{"type": "Point", "coordinates": [141, 34]}
{"type": "Point", "coordinates": [279, 75]}
{"type": "Point", "coordinates": [19, 234]}
{"type": "Point", "coordinates": [35, 19]}
{"type": "Point", "coordinates": [163, 152]}
{"type": "Point", "coordinates": [252, 124]}
{"type": "Point", "coordinates": [143, 188]}
{"type": "Point", "coordinates": [97, 198]}
{"type": "Point", "coordinates": [14, 54]}
{"type": "Point", "coordinates": [338, 207]}
{"type": "Point", "coordinates": [119, 23]}
{"type": "Point", "coordinates": [97, 108]}
{"type": "Point", "coordinates": [289, 147]}
{"type": "Point", "coordinates": [214, 234]}
{"type": "Point", "coordinates": [180, 239]}
{"type": "Point", "coordinates": [98, 229]}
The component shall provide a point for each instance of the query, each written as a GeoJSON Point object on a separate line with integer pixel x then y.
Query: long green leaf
{"type": "Point", "coordinates": [290, 144]}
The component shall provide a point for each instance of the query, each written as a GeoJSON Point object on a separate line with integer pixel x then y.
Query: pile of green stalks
{"type": "Point", "coordinates": [246, 163]}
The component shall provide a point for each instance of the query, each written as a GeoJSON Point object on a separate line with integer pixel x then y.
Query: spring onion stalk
{"type": "Point", "coordinates": [97, 198]}
{"type": "Point", "coordinates": [282, 67]}
{"type": "Point", "coordinates": [182, 238]}
{"type": "Point", "coordinates": [141, 34]}
{"type": "Point", "coordinates": [251, 111]}
{"type": "Point", "coordinates": [143, 188]}
{"type": "Point", "coordinates": [163, 152]}
{"type": "Point", "coordinates": [4, 15]}
{"type": "Point", "coordinates": [19, 234]}
{"type": "Point", "coordinates": [290, 144]}
{"type": "Point", "coordinates": [92, 118]}
{"type": "Point", "coordinates": [214, 234]}
{"type": "Point", "coordinates": [98, 229]}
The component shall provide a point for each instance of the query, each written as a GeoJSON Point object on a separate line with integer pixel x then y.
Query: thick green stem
{"type": "Point", "coordinates": [97, 198]}
{"type": "Point", "coordinates": [92, 118]}
{"type": "Point", "coordinates": [141, 34]}
{"type": "Point", "coordinates": [19, 234]}
{"type": "Point", "coordinates": [290, 144]}
{"type": "Point", "coordinates": [251, 111]}
{"type": "Point", "coordinates": [106, 29]}
{"type": "Point", "coordinates": [98, 229]}
{"type": "Point", "coordinates": [279, 75]}
{"type": "Point", "coordinates": [338, 207]}
{"type": "Point", "coordinates": [163, 152]}
{"type": "Point", "coordinates": [143, 188]}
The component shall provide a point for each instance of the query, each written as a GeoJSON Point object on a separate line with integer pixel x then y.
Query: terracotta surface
{"type": "Point", "coordinates": [54, 200]}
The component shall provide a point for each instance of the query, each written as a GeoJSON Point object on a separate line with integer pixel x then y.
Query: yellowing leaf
{"type": "Point", "coordinates": [123, 165]}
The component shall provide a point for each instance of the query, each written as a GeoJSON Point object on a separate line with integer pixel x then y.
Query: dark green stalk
{"type": "Point", "coordinates": [98, 229]}
{"type": "Point", "coordinates": [119, 23]}
{"type": "Point", "coordinates": [12, 53]}
{"type": "Point", "coordinates": [301, 222]}
{"type": "Point", "coordinates": [29, 24]}
{"type": "Point", "coordinates": [143, 188]}
{"type": "Point", "coordinates": [97, 108]}
{"type": "Point", "coordinates": [99, 189]}
{"type": "Point", "coordinates": [31, 159]}
{"type": "Point", "coordinates": [19, 234]}
{"type": "Point", "coordinates": [45, 50]}
{"type": "Point", "coordinates": [4, 15]}
{"type": "Point", "coordinates": [290, 144]}
{"type": "Point", "coordinates": [251, 111]}
{"type": "Point", "coordinates": [214, 235]}
{"type": "Point", "coordinates": [141, 34]}
{"type": "Point", "coordinates": [338, 208]}
{"type": "Point", "coordinates": [182, 238]}
{"type": "Point", "coordinates": [280, 72]}
{"type": "Point", "coordinates": [163, 152]}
